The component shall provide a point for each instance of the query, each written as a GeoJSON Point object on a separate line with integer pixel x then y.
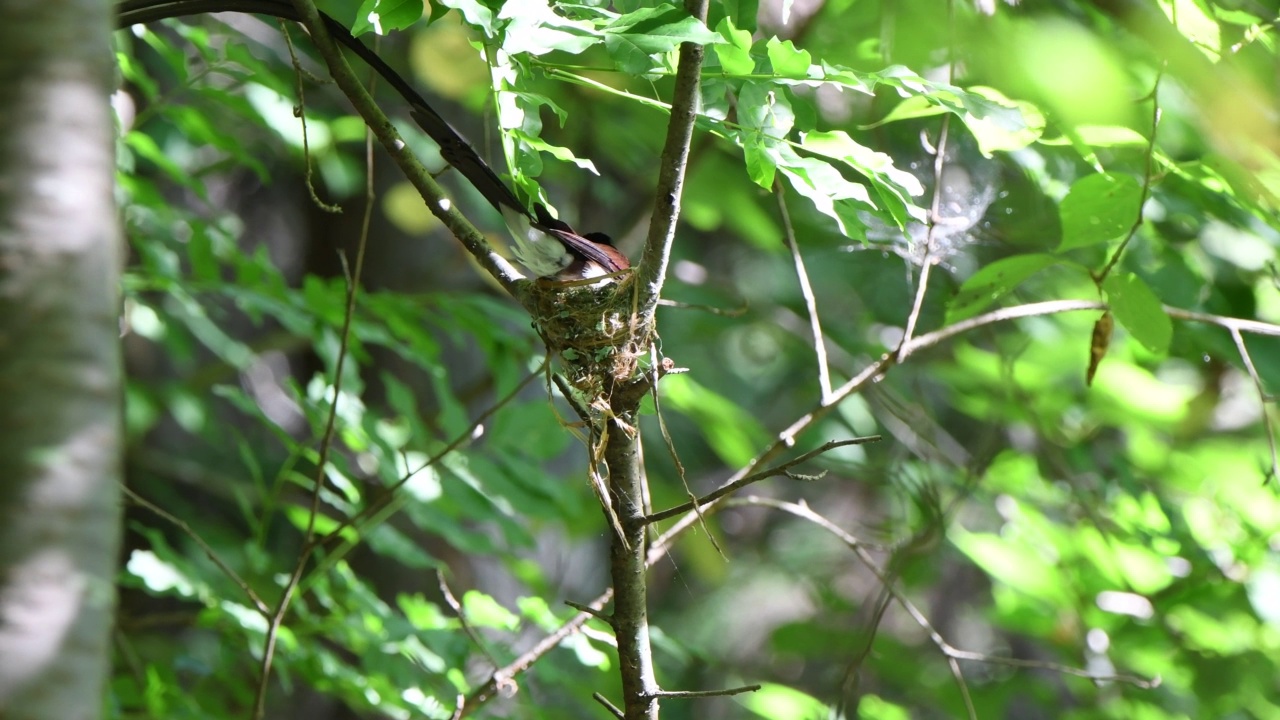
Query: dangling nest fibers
{"type": "Point", "coordinates": [592, 329]}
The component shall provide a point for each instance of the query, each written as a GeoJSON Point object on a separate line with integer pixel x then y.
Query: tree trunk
{"type": "Point", "coordinates": [60, 377]}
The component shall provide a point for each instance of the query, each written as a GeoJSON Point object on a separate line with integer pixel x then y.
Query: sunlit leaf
{"type": "Point", "coordinates": [1019, 566]}
{"type": "Point", "coordinates": [384, 16]}
{"type": "Point", "coordinates": [483, 611]}
{"type": "Point", "coordinates": [779, 702]}
{"type": "Point", "coordinates": [1099, 207]}
{"type": "Point", "coordinates": [1138, 309]}
{"type": "Point", "coordinates": [786, 60]}
{"type": "Point", "coordinates": [994, 282]}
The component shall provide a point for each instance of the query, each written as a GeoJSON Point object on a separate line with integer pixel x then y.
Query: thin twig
{"type": "Point", "coordinates": [675, 456]}
{"type": "Point", "coordinates": [806, 291]}
{"type": "Point", "coordinates": [1253, 327]}
{"type": "Point", "coordinates": [613, 710]}
{"type": "Point", "coordinates": [756, 477]}
{"type": "Point", "coordinates": [598, 484]}
{"type": "Point", "coordinates": [1049, 307]}
{"type": "Point", "coordinates": [456, 606]}
{"type": "Point", "coordinates": [209, 552]}
{"type": "Point", "coordinates": [852, 542]}
{"type": "Point", "coordinates": [1146, 182]}
{"type": "Point", "coordinates": [722, 312]}
{"type": "Point", "coordinates": [391, 498]}
{"type": "Point", "coordinates": [1264, 398]}
{"type": "Point", "coordinates": [301, 112]}
{"type": "Point", "coordinates": [705, 693]}
{"type": "Point", "coordinates": [849, 683]}
{"type": "Point", "coordinates": [935, 203]}
{"type": "Point", "coordinates": [935, 216]}
{"type": "Point", "coordinates": [326, 442]}
{"type": "Point", "coordinates": [494, 686]}
{"type": "Point", "coordinates": [597, 614]}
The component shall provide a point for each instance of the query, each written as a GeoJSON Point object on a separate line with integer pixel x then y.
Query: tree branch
{"type": "Point", "coordinates": [652, 270]}
{"type": "Point", "coordinates": [806, 291]}
{"type": "Point", "coordinates": [756, 477]}
{"type": "Point", "coordinates": [627, 567]}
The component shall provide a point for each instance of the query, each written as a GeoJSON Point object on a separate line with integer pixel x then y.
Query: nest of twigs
{"type": "Point", "coordinates": [593, 330]}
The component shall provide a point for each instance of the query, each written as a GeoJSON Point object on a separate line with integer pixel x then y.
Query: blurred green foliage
{"type": "Point", "coordinates": [1129, 527]}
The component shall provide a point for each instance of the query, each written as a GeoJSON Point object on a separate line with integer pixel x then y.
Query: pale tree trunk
{"type": "Point", "coordinates": [60, 377]}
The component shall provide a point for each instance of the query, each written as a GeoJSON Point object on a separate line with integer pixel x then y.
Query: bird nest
{"type": "Point", "coordinates": [593, 330]}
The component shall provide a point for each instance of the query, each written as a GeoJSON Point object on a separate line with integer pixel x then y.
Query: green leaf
{"type": "Point", "coordinates": [735, 53]}
{"type": "Point", "coordinates": [1101, 136]}
{"type": "Point", "coordinates": [743, 13]}
{"type": "Point", "coordinates": [828, 190]}
{"type": "Point", "coordinates": [1137, 308]}
{"type": "Point", "coordinates": [536, 29]}
{"type": "Point", "coordinates": [1001, 131]}
{"type": "Point", "coordinates": [765, 113]}
{"type": "Point", "coordinates": [732, 433]}
{"type": "Point", "coordinates": [1194, 19]}
{"type": "Point", "coordinates": [562, 154]}
{"type": "Point", "coordinates": [483, 611]}
{"type": "Point", "coordinates": [779, 702]}
{"type": "Point", "coordinates": [786, 60]}
{"type": "Point", "coordinates": [387, 540]}
{"type": "Point", "coordinates": [159, 576]}
{"type": "Point", "coordinates": [475, 12]}
{"type": "Point", "coordinates": [1013, 563]}
{"type": "Point", "coordinates": [734, 60]}
{"type": "Point", "coordinates": [383, 16]}
{"type": "Point", "coordinates": [662, 28]}
{"type": "Point", "coordinates": [147, 148]}
{"type": "Point", "coordinates": [874, 707]}
{"type": "Point", "coordinates": [633, 39]}
{"type": "Point", "coordinates": [994, 282]}
{"type": "Point", "coordinates": [894, 185]}
{"type": "Point", "coordinates": [912, 108]}
{"type": "Point", "coordinates": [1098, 208]}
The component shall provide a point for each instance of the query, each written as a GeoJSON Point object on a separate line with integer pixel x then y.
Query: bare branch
{"type": "Point", "coordinates": [1049, 307]}
{"type": "Point", "coordinates": [462, 618]}
{"type": "Point", "coordinates": [1253, 327]}
{"type": "Point", "coordinates": [935, 216]}
{"type": "Point", "coordinates": [722, 312]}
{"type": "Point", "coordinates": [502, 678]}
{"type": "Point", "coordinates": [651, 273]}
{"type": "Point", "coordinates": [1146, 182]}
{"type": "Point", "coordinates": [756, 477]}
{"type": "Point", "coordinates": [613, 710]}
{"type": "Point", "coordinates": [706, 693]}
{"type": "Point", "coordinates": [806, 291]}
{"type": "Point", "coordinates": [209, 552]}
{"type": "Point", "coordinates": [1263, 398]}
{"type": "Point", "coordinates": [869, 374]}
{"type": "Point", "coordinates": [597, 614]}
{"type": "Point", "coordinates": [301, 112]}
{"type": "Point", "coordinates": [787, 437]}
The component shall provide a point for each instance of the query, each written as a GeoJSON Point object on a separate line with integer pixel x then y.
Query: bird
{"type": "Point", "coordinates": [549, 247]}
{"type": "Point", "coordinates": [546, 245]}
